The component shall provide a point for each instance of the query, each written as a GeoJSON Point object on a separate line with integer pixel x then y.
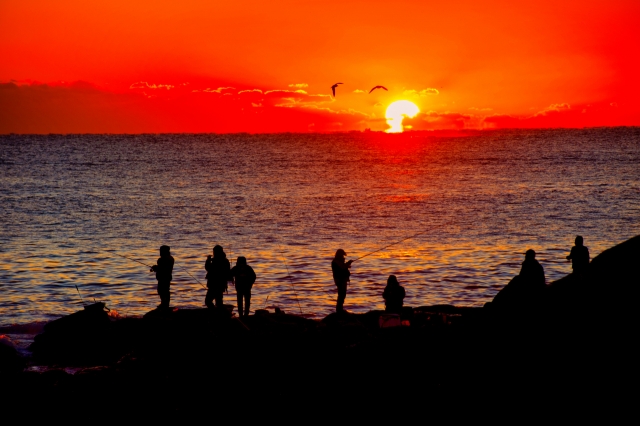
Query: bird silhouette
{"type": "Point", "coordinates": [333, 89]}
{"type": "Point", "coordinates": [378, 87]}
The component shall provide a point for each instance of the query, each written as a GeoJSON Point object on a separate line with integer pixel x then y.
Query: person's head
{"type": "Point", "coordinates": [579, 240]}
{"type": "Point", "coordinates": [242, 261]}
{"type": "Point", "coordinates": [392, 280]}
{"type": "Point", "coordinates": [340, 254]}
{"type": "Point", "coordinates": [218, 251]}
{"type": "Point", "coordinates": [165, 251]}
{"type": "Point", "coordinates": [530, 255]}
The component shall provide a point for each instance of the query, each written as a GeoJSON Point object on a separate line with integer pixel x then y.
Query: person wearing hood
{"type": "Point", "coordinates": [341, 277]}
{"type": "Point", "coordinates": [164, 269]}
{"type": "Point", "coordinates": [243, 278]}
{"type": "Point", "coordinates": [218, 274]}
{"type": "Point", "coordinates": [393, 295]}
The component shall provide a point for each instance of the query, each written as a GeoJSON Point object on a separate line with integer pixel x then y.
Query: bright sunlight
{"type": "Point", "coordinates": [397, 111]}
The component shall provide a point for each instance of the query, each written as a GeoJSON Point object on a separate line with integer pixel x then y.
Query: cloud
{"type": "Point", "coordinates": [219, 90]}
{"type": "Point", "coordinates": [481, 109]}
{"type": "Point", "coordinates": [433, 120]}
{"type": "Point", "coordinates": [145, 85]}
{"type": "Point", "coordinates": [285, 91]}
{"type": "Point", "coordinates": [553, 108]}
{"type": "Point", "coordinates": [250, 91]}
{"type": "Point", "coordinates": [422, 93]}
{"type": "Point", "coordinates": [299, 85]}
{"type": "Point", "coordinates": [377, 104]}
{"type": "Point", "coordinates": [292, 98]}
{"type": "Point", "coordinates": [359, 91]}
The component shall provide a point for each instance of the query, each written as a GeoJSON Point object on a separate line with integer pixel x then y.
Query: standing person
{"type": "Point", "coordinates": [164, 270]}
{"type": "Point", "coordinates": [579, 256]}
{"type": "Point", "coordinates": [243, 278]}
{"type": "Point", "coordinates": [218, 274]}
{"type": "Point", "coordinates": [341, 275]}
{"type": "Point", "coordinates": [393, 295]}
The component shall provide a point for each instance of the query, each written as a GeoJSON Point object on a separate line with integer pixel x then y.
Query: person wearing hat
{"type": "Point", "coordinates": [243, 278]}
{"type": "Point", "coordinates": [341, 275]}
{"type": "Point", "coordinates": [164, 270]}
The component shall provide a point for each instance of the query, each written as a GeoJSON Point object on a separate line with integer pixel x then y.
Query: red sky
{"type": "Point", "coordinates": [208, 66]}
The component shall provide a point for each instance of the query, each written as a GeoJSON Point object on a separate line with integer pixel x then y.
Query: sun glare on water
{"type": "Point", "coordinates": [397, 111]}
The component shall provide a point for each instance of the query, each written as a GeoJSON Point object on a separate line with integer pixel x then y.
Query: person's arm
{"type": "Point", "coordinates": [570, 254]}
{"type": "Point", "coordinates": [227, 266]}
{"type": "Point", "coordinates": [252, 276]}
{"type": "Point", "coordinates": [207, 263]}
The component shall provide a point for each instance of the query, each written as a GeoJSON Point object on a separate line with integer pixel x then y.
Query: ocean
{"type": "Point", "coordinates": [73, 204]}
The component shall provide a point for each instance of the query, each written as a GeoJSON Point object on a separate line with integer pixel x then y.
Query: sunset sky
{"type": "Point", "coordinates": [118, 66]}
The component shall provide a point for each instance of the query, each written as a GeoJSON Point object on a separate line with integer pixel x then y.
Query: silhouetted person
{"type": "Point", "coordinates": [164, 270]}
{"type": "Point", "coordinates": [218, 274]}
{"type": "Point", "coordinates": [532, 272]}
{"type": "Point", "coordinates": [243, 278]}
{"type": "Point", "coordinates": [393, 295]}
{"type": "Point", "coordinates": [525, 290]}
{"type": "Point", "coordinates": [341, 275]}
{"type": "Point", "coordinates": [579, 256]}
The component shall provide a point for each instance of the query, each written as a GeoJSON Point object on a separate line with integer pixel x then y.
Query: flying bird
{"type": "Point", "coordinates": [378, 87]}
{"type": "Point", "coordinates": [333, 89]}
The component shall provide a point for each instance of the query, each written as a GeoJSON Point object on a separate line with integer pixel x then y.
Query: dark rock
{"type": "Point", "coordinates": [10, 360]}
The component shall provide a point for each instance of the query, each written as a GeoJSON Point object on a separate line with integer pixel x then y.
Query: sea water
{"type": "Point", "coordinates": [70, 204]}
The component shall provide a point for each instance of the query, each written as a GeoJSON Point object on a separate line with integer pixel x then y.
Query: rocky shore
{"type": "Point", "coordinates": [576, 343]}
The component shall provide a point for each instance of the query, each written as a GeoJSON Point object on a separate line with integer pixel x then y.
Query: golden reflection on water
{"type": "Point", "coordinates": [69, 202]}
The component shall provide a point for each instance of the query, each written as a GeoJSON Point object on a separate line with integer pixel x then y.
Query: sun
{"type": "Point", "coordinates": [397, 111]}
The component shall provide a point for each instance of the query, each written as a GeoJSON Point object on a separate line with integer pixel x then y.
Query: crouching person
{"type": "Point", "coordinates": [393, 296]}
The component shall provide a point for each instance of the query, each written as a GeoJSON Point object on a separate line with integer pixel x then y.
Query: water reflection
{"type": "Point", "coordinates": [69, 200]}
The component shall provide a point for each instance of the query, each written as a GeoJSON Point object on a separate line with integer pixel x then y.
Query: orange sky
{"type": "Point", "coordinates": [110, 66]}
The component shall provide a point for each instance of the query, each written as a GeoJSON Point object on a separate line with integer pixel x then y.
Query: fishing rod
{"type": "Point", "coordinates": [150, 267]}
{"type": "Point", "coordinates": [78, 290]}
{"type": "Point", "coordinates": [129, 258]}
{"type": "Point", "coordinates": [392, 244]}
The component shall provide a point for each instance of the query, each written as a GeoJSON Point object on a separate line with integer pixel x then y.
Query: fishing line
{"type": "Point", "coordinates": [288, 273]}
{"type": "Point", "coordinates": [392, 244]}
{"type": "Point", "coordinates": [129, 258]}
{"type": "Point", "coordinates": [198, 281]}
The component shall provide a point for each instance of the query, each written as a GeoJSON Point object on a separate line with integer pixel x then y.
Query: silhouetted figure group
{"type": "Point", "coordinates": [526, 289]}
{"type": "Point", "coordinates": [523, 290]}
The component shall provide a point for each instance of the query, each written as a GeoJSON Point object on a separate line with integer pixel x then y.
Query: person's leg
{"type": "Point", "coordinates": [164, 293]}
{"type": "Point", "coordinates": [247, 298]}
{"type": "Point", "coordinates": [239, 298]}
{"type": "Point", "coordinates": [219, 296]}
{"type": "Point", "coordinates": [208, 299]}
{"type": "Point", "coordinates": [342, 294]}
